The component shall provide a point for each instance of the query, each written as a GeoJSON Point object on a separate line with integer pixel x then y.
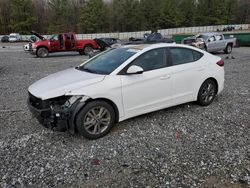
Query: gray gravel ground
{"type": "Point", "coordinates": [183, 146]}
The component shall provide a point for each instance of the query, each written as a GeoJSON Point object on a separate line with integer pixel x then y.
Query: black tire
{"type": "Point", "coordinates": [228, 49]}
{"type": "Point", "coordinates": [81, 52]}
{"type": "Point", "coordinates": [92, 122]}
{"type": "Point", "coordinates": [42, 52]}
{"type": "Point", "coordinates": [207, 93]}
{"type": "Point", "coordinates": [87, 49]}
{"type": "Point", "coordinates": [204, 48]}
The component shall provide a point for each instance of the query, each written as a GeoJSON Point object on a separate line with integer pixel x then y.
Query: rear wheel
{"type": "Point", "coordinates": [42, 52]}
{"type": "Point", "coordinates": [228, 49]}
{"type": "Point", "coordinates": [207, 93]}
{"type": "Point", "coordinates": [95, 120]}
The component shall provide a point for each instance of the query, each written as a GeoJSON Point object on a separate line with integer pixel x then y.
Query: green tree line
{"type": "Point", "coordinates": [96, 16]}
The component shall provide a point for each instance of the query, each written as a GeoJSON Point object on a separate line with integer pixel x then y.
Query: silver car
{"type": "Point", "coordinates": [211, 42]}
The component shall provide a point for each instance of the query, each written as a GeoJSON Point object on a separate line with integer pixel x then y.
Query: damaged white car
{"type": "Point", "coordinates": [125, 82]}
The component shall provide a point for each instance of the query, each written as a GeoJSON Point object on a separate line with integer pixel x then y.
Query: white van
{"type": "Point", "coordinates": [14, 37]}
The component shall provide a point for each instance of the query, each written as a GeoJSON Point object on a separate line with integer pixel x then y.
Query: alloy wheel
{"type": "Point", "coordinates": [97, 120]}
{"type": "Point", "coordinates": [208, 93]}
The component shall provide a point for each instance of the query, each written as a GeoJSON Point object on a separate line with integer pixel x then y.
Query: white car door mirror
{"type": "Point", "coordinates": [134, 69]}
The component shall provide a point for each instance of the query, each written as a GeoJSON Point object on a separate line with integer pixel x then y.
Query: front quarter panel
{"type": "Point", "coordinates": [109, 88]}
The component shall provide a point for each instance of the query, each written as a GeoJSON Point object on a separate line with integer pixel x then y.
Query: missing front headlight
{"type": "Point", "coordinates": [75, 98]}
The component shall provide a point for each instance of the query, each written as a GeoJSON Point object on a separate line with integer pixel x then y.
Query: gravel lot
{"type": "Point", "coordinates": [183, 146]}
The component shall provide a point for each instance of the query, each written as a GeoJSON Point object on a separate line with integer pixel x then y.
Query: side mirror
{"type": "Point", "coordinates": [135, 70]}
{"type": "Point", "coordinates": [52, 40]}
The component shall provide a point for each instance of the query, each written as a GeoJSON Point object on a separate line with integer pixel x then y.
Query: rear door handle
{"type": "Point", "coordinates": [165, 77]}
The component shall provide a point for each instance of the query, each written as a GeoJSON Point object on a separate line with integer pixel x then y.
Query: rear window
{"type": "Point", "coordinates": [184, 55]}
{"type": "Point", "coordinates": [197, 55]}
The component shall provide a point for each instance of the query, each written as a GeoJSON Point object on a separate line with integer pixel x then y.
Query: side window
{"type": "Point", "coordinates": [218, 37]}
{"type": "Point", "coordinates": [181, 55]}
{"type": "Point", "coordinates": [211, 39]}
{"type": "Point", "coordinates": [55, 37]}
{"type": "Point", "coordinates": [67, 36]}
{"type": "Point", "coordinates": [151, 60]}
{"type": "Point", "coordinates": [197, 55]}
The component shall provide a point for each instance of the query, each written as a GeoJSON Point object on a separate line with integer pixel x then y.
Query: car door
{"type": "Point", "coordinates": [151, 90]}
{"type": "Point", "coordinates": [54, 43]}
{"type": "Point", "coordinates": [187, 73]}
{"type": "Point", "coordinates": [211, 44]}
{"type": "Point", "coordinates": [220, 43]}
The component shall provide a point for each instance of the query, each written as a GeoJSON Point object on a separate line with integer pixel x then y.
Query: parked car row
{"type": "Point", "coordinates": [16, 37]}
{"type": "Point", "coordinates": [231, 28]}
{"type": "Point", "coordinates": [13, 37]}
{"type": "Point", "coordinates": [150, 39]}
{"type": "Point", "coordinates": [61, 42]}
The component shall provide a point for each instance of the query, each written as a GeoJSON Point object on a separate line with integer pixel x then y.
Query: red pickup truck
{"type": "Point", "coordinates": [62, 42]}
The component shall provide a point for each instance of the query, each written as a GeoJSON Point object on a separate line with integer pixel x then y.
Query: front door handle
{"type": "Point", "coordinates": [165, 77]}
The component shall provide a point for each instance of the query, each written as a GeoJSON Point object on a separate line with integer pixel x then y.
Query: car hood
{"type": "Point", "coordinates": [62, 83]}
{"type": "Point", "coordinates": [38, 35]}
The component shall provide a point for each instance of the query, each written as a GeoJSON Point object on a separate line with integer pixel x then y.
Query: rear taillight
{"type": "Point", "coordinates": [220, 63]}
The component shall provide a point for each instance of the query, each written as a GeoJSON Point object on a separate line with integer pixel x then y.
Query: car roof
{"type": "Point", "coordinates": [152, 46]}
{"type": "Point", "coordinates": [137, 46]}
{"type": "Point", "coordinates": [146, 47]}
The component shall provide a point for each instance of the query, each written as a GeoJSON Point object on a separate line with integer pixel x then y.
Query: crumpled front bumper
{"type": "Point", "coordinates": [33, 51]}
{"type": "Point", "coordinates": [48, 117]}
{"type": "Point", "coordinates": [27, 47]}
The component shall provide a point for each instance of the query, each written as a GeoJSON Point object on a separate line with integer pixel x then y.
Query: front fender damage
{"type": "Point", "coordinates": [58, 113]}
{"type": "Point", "coordinates": [76, 106]}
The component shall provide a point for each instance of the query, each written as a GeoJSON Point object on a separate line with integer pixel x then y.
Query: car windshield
{"type": "Point", "coordinates": [108, 61]}
{"type": "Point", "coordinates": [54, 37]}
{"type": "Point", "coordinates": [205, 37]}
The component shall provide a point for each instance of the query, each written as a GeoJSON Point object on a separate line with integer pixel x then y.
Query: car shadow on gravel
{"type": "Point", "coordinates": [118, 127]}
{"type": "Point", "coordinates": [124, 125]}
{"type": "Point", "coordinates": [63, 55]}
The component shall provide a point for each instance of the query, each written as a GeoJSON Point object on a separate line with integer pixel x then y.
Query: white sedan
{"type": "Point", "coordinates": [125, 82]}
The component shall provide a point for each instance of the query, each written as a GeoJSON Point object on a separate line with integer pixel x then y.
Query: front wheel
{"type": "Point", "coordinates": [228, 49]}
{"type": "Point", "coordinates": [207, 93]}
{"type": "Point", "coordinates": [42, 52]}
{"type": "Point", "coordinates": [87, 50]}
{"type": "Point", "coordinates": [95, 120]}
